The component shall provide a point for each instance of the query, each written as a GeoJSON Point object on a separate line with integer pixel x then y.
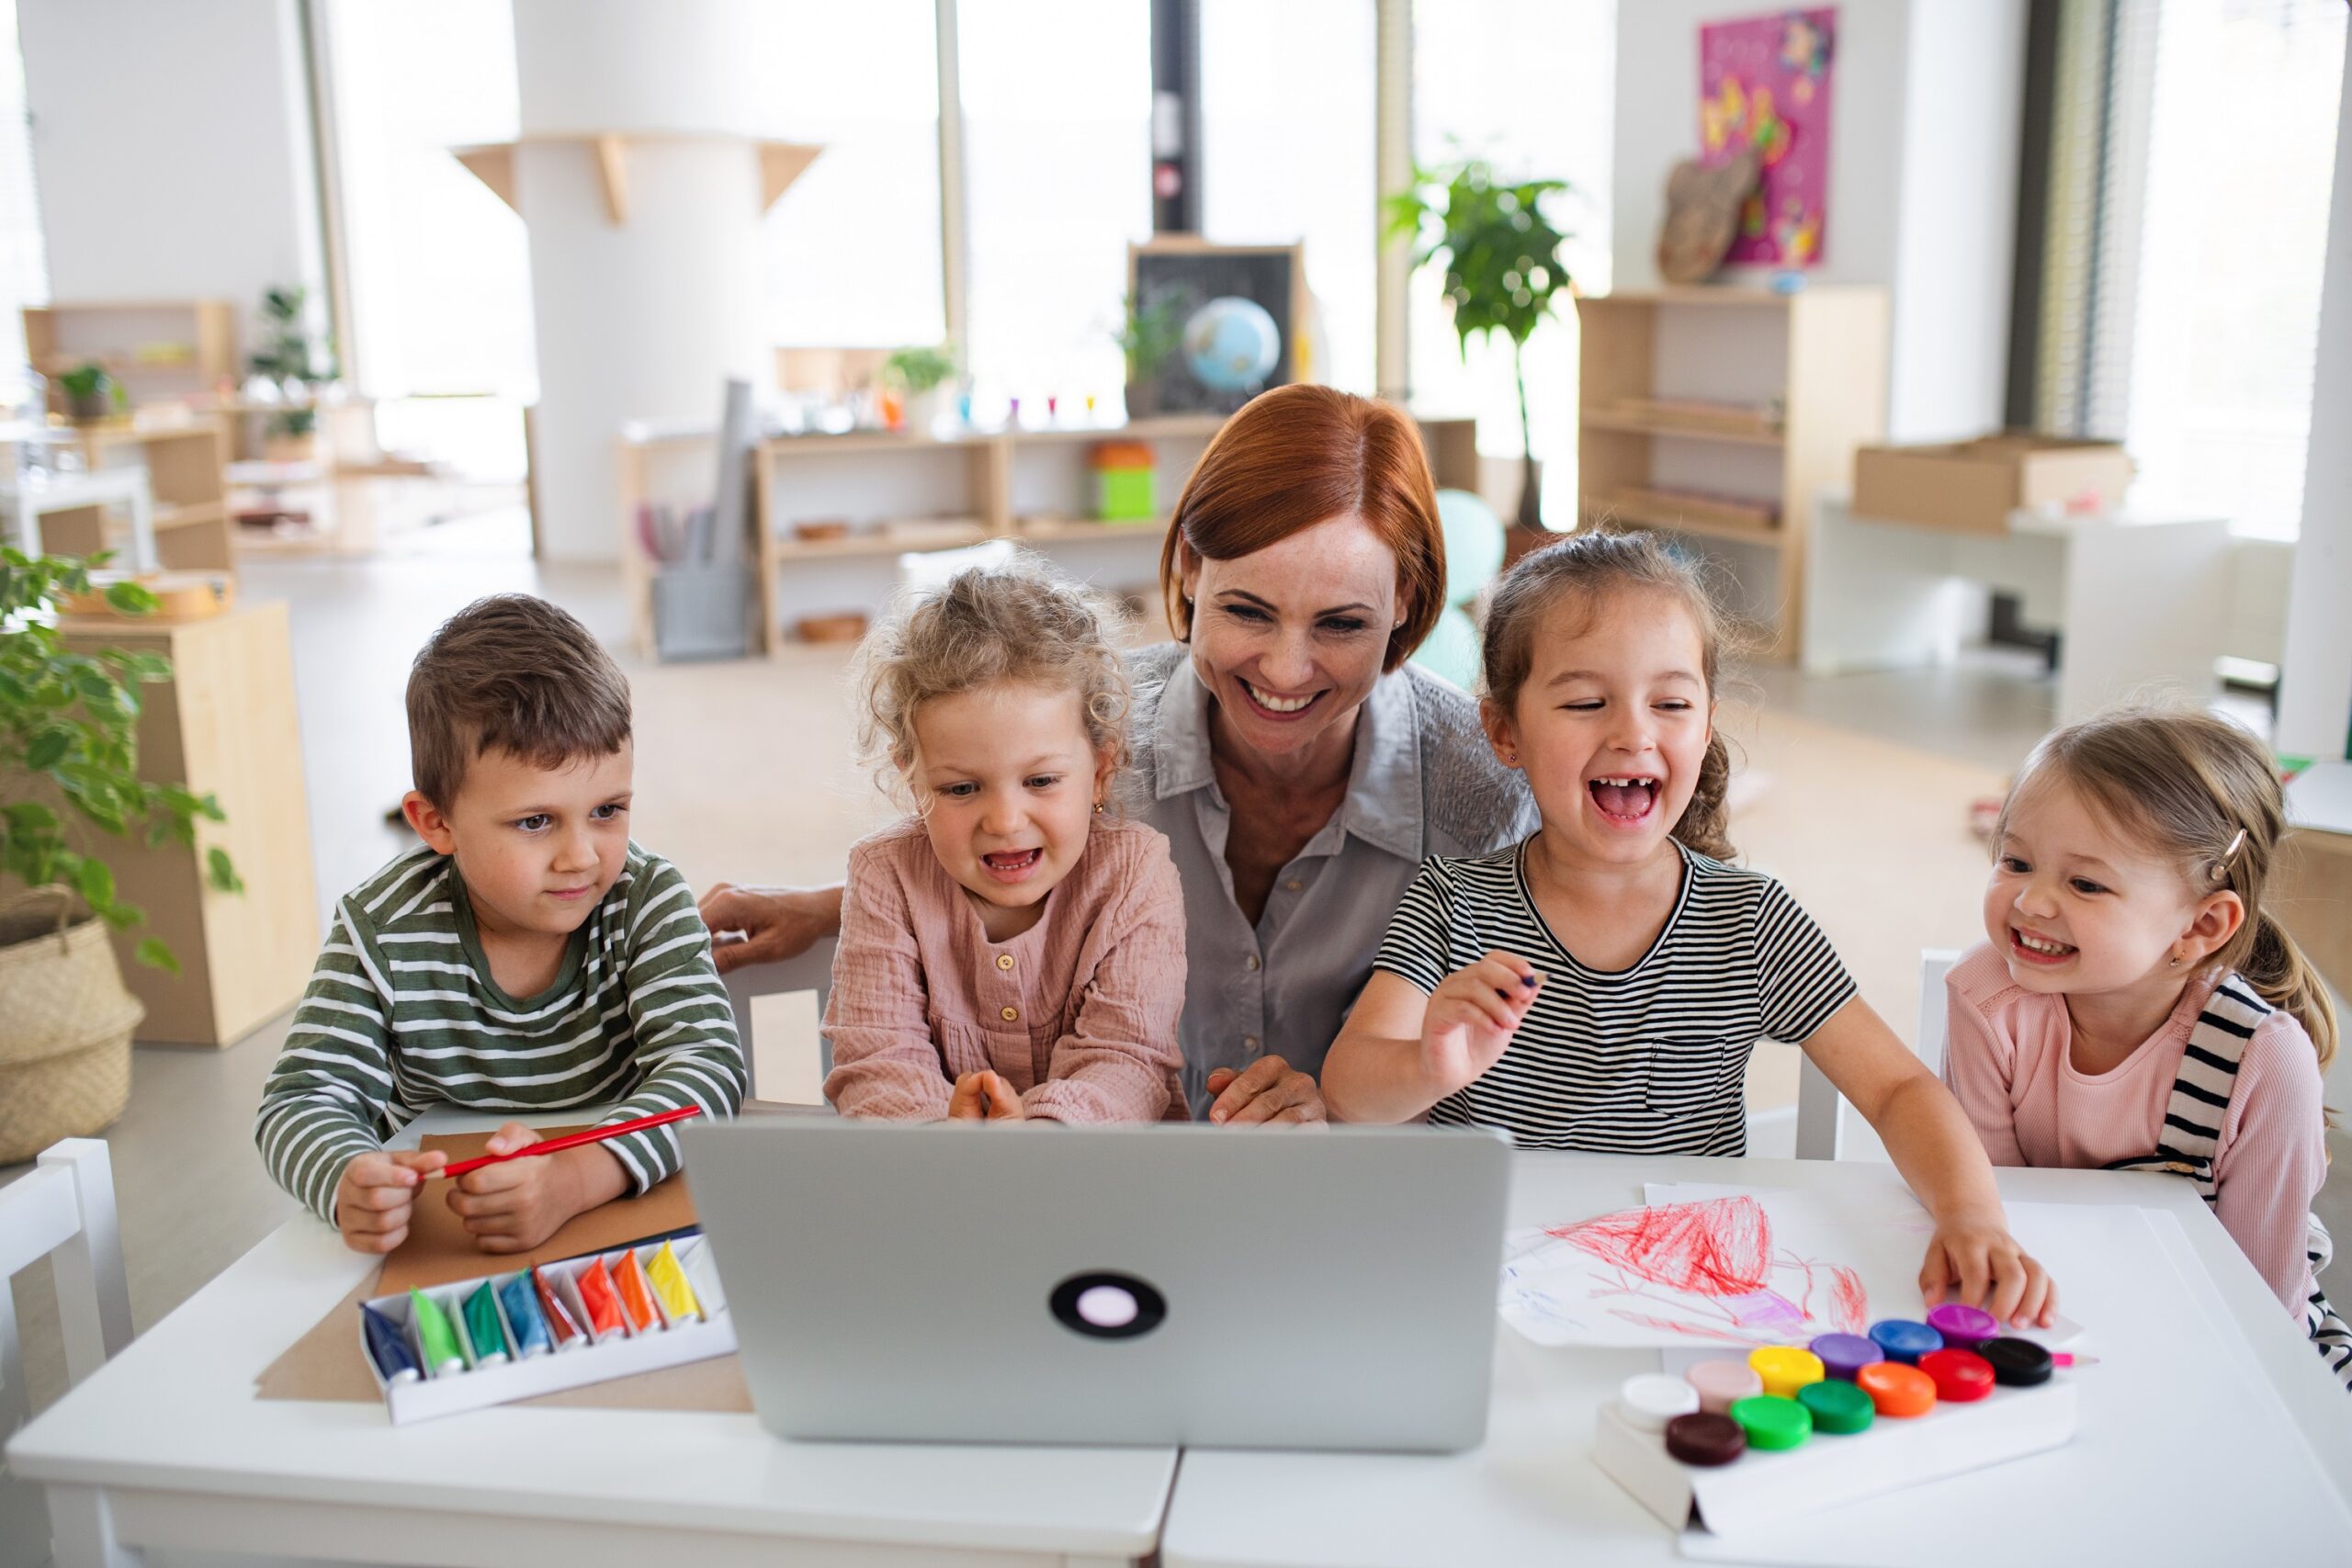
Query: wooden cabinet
{"type": "Point", "coordinates": [183, 466]}
{"type": "Point", "coordinates": [225, 724]}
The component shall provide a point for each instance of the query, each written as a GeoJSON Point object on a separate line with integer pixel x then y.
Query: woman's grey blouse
{"type": "Point", "coordinates": [1424, 783]}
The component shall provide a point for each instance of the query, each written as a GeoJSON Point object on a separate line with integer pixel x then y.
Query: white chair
{"type": "Point", "coordinates": [1828, 1128]}
{"type": "Point", "coordinates": [61, 1210]}
{"type": "Point", "coordinates": [777, 1006]}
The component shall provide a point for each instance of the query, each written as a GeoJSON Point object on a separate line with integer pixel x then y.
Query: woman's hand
{"type": "Point", "coordinates": [1268, 1090]}
{"type": "Point", "coordinates": [767, 925]}
{"type": "Point", "coordinates": [1976, 1261]}
{"type": "Point", "coordinates": [984, 1097]}
{"type": "Point", "coordinates": [1472, 1016]}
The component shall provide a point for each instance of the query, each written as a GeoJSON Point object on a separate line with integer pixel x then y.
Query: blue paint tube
{"type": "Point", "coordinates": [388, 1348]}
{"type": "Point", "coordinates": [523, 1315]}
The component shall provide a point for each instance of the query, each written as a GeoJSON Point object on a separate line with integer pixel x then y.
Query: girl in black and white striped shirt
{"type": "Point", "coordinates": [1599, 985]}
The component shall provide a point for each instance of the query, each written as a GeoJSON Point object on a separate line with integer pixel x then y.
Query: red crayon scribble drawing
{"type": "Point", "coordinates": [1713, 1262]}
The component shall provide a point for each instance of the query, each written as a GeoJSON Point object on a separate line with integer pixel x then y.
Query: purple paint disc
{"type": "Point", "coordinates": [1964, 1327]}
{"type": "Point", "coordinates": [1705, 1438]}
{"type": "Point", "coordinates": [1843, 1355]}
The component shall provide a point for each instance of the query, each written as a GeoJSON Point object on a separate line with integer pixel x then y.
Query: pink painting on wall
{"type": "Point", "coordinates": [1764, 82]}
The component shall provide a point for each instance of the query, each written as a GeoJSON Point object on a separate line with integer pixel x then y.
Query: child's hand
{"type": "Point", "coordinates": [377, 1194]}
{"type": "Point", "coordinates": [515, 1205]}
{"type": "Point", "coordinates": [1473, 1015]}
{"type": "Point", "coordinates": [1979, 1263]}
{"type": "Point", "coordinates": [984, 1097]}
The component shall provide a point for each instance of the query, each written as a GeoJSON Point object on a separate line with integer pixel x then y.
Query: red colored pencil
{"type": "Point", "coordinates": [572, 1140]}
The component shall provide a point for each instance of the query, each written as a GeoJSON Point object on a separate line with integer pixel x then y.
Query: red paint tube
{"type": "Point", "coordinates": [561, 1328]}
{"type": "Point", "coordinates": [597, 1296]}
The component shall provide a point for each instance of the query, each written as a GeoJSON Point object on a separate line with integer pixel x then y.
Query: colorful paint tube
{"type": "Point", "coordinates": [668, 1278]}
{"type": "Point", "coordinates": [599, 1302]}
{"type": "Point", "coordinates": [482, 1326]}
{"type": "Point", "coordinates": [388, 1346]}
{"type": "Point", "coordinates": [435, 1335]}
{"type": "Point", "coordinates": [523, 1315]}
{"type": "Point", "coordinates": [562, 1328]}
{"type": "Point", "coordinates": [636, 1293]}
{"type": "Point", "coordinates": [702, 1272]}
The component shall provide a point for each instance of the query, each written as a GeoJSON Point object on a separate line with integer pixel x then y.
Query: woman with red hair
{"type": "Point", "coordinates": [1301, 770]}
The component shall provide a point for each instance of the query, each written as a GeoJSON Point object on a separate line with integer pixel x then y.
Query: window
{"type": "Point", "coordinates": [1286, 155]}
{"type": "Point", "coordinates": [2192, 151]}
{"type": "Point", "coordinates": [23, 265]}
{"type": "Point", "coordinates": [1058, 179]}
{"type": "Point", "coordinates": [1539, 109]}
{"type": "Point", "coordinates": [851, 251]}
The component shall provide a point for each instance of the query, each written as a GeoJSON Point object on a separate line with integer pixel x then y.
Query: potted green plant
{"type": "Point", "coordinates": [69, 781]}
{"type": "Point", "coordinates": [1503, 267]}
{"type": "Point", "coordinates": [299, 364]}
{"type": "Point", "coordinates": [919, 377]}
{"type": "Point", "coordinates": [1148, 335]}
{"type": "Point", "coordinates": [91, 392]}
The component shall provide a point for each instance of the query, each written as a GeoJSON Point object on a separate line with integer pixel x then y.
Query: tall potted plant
{"type": "Point", "coordinates": [69, 781]}
{"type": "Point", "coordinates": [297, 364]}
{"type": "Point", "coordinates": [1503, 267]}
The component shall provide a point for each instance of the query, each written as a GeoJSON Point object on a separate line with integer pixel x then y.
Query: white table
{"type": "Point", "coordinates": [1532, 1493]}
{"type": "Point", "coordinates": [2138, 601]}
{"type": "Point", "coordinates": [26, 503]}
{"type": "Point", "coordinates": [167, 1447]}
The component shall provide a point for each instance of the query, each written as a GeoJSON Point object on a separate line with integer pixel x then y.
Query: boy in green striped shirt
{"type": "Point", "coordinates": [526, 956]}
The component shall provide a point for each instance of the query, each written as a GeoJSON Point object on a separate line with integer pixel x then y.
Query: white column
{"type": "Point", "coordinates": [2315, 677]}
{"type": "Point", "coordinates": [647, 317]}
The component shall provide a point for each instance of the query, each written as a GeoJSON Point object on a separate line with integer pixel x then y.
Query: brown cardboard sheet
{"type": "Point", "coordinates": [327, 1362]}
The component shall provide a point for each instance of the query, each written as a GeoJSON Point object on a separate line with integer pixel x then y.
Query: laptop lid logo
{"type": "Point", "coordinates": [1107, 1306]}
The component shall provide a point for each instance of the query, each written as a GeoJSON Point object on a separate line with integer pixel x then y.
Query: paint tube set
{"type": "Point", "coordinates": [440, 1349]}
{"type": "Point", "coordinates": [1730, 1445]}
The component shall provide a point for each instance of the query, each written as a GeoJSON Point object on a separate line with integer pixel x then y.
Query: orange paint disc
{"type": "Point", "coordinates": [1897, 1390]}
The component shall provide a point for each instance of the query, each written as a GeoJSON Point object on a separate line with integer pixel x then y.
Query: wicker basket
{"type": "Point", "coordinates": [66, 1023]}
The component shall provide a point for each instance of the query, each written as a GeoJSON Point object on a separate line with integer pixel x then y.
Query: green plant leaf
{"type": "Point", "coordinates": [28, 817]}
{"type": "Point", "coordinates": [151, 953]}
{"type": "Point", "coordinates": [97, 882]}
{"type": "Point", "coordinates": [46, 750]}
{"type": "Point", "coordinates": [221, 873]}
{"type": "Point", "coordinates": [130, 598]}
{"type": "Point", "coordinates": [122, 917]}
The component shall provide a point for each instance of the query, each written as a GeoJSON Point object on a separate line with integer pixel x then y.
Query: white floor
{"type": "Point", "coordinates": [726, 787]}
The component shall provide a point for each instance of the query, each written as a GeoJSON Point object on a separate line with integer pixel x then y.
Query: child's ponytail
{"type": "Point", "coordinates": [1705, 824]}
{"type": "Point", "coordinates": [2282, 976]}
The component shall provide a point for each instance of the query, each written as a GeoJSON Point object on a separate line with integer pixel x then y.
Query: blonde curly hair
{"type": "Point", "coordinates": [1020, 623]}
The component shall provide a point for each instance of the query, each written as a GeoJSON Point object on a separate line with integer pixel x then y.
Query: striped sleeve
{"type": "Point", "coordinates": [1800, 981]}
{"type": "Point", "coordinates": [325, 1099]}
{"type": "Point", "coordinates": [1419, 943]}
{"type": "Point", "coordinates": [684, 1025]}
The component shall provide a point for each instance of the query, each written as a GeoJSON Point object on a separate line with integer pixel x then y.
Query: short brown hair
{"type": "Point", "coordinates": [1303, 454]}
{"type": "Point", "coordinates": [1585, 566]}
{"type": "Point", "coordinates": [516, 674]}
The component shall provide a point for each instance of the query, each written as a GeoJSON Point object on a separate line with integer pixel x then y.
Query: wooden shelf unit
{"type": "Point", "coordinates": [180, 349]}
{"type": "Point", "coordinates": [184, 474]}
{"type": "Point", "coordinates": [1816, 359]}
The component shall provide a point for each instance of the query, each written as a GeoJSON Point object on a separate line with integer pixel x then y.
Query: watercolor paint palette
{"type": "Point", "coordinates": [475, 1343]}
{"type": "Point", "coordinates": [1729, 1446]}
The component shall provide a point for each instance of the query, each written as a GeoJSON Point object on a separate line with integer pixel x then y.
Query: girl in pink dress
{"type": "Point", "coordinates": [1011, 950]}
{"type": "Point", "coordinates": [2135, 1007]}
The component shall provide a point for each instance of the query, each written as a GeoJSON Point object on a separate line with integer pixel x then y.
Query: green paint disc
{"type": "Point", "coordinates": [1771, 1421]}
{"type": "Point", "coordinates": [1838, 1408]}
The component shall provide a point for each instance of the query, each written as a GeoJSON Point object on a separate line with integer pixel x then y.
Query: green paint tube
{"type": "Point", "coordinates": [482, 1326]}
{"type": "Point", "coordinates": [435, 1335]}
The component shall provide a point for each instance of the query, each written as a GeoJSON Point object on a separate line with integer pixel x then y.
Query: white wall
{"type": "Point", "coordinates": [2315, 681]}
{"type": "Point", "coordinates": [1923, 157]}
{"type": "Point", "coordinates": [172, 149]}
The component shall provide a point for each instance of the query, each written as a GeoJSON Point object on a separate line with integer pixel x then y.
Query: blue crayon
{"type": "Point", "coordinates": [530, 1324]}
{"type": "Point", "coordinates": [388, 1346]}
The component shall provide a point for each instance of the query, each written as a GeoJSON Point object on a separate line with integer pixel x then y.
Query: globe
{"type": "Point", "coordinates": [1231, 344]}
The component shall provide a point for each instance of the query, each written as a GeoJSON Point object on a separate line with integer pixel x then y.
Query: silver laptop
{"type": "Point", "coordinates": [1162, 1285]}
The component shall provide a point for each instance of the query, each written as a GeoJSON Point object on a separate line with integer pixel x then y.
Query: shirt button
{"type": "Point", "coordinates": [1249, 1042]}
{"type": "Point", "coordinates": [1011, 1015]}
{"type": "Point", "coordinates": [1293, 885]}
{"type": "Point", "coordinates": [1251, 961]}
{"type": "Point", "coordinates": [1004, 961]}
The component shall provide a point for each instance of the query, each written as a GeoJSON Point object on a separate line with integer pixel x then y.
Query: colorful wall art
{"type": "Point", "coordinates": [1764, 83]}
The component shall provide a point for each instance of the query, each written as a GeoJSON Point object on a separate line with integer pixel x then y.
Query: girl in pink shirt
{"type": "Point", "coordinates": [1009, 950]}
{"type": "Point", "coordinates": [2135, 1009]}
